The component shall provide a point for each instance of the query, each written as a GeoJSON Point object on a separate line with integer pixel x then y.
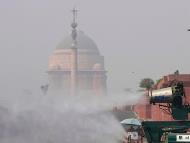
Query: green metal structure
{"type": "Point", "coordinates": [164, 131]}
{"type": "Point", "coordinates": [156, 130]}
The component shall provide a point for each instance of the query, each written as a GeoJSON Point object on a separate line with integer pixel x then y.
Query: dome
{"type": "Point", "coordinates": [89, 57]}
{"type": "Point", "coordinates": [84, 43]}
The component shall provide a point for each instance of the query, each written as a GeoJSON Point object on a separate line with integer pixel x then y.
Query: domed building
{"type": "Point", "coordinates": [76, 64]}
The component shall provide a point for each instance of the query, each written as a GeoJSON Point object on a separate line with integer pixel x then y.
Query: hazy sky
{"type": "Point", "coordinates": [147, 37]}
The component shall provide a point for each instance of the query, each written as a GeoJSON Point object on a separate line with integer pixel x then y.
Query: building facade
{"type": "Point", "coordinates": [76, 65]}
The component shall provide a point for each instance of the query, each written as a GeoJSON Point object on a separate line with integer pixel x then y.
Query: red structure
{"type": "Point", "coordinates": [145, 111]}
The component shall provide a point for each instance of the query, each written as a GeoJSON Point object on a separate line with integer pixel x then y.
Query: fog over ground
{"type": "Point", "coordinates": [58, 119]}
{"type": "Point", "coordinates": [138, 38]}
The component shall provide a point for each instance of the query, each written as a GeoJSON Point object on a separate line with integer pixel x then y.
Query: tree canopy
{"type": "Point", "coordinates": [146, 83]}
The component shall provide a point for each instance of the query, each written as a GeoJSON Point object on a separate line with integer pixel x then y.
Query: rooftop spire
{"type": "Point", "coordinates": [74, 25]}
{"type": "Point", "coordinates": [74, 11]}
{"type": "Point", "coordinates": [74, 59]}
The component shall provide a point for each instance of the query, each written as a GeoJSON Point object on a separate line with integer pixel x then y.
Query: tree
{"type": "Point", "coordinates": [146, 83]}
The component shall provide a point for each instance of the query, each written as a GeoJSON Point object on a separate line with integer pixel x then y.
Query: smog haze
{"type": "Point", "coordinates": [137, 38]}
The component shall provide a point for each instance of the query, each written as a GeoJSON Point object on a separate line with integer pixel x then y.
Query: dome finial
{"type": "Point", "coordinates": [74, 25]}
{"type": "Point", "coordinates": [74, 11]}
